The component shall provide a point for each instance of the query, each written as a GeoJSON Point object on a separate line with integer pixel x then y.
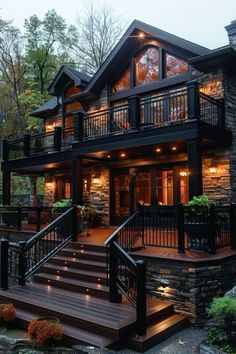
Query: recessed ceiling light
{"type": "Point", "coordinates": [123, 154]}
{"type": "Point", "coordinates": [173, 148]}
{"type": "Point", "coordinates": [108, 156]}
{"type": "Point", "coordinates": [141, 35]}
{"type": "Point", "coordinates": [158, 150]}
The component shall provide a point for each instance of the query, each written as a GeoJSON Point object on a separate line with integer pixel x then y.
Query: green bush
{"type": "Point", "coordinates": [63, 203]}
{"type": "Point", "coordinates": [223, 309]}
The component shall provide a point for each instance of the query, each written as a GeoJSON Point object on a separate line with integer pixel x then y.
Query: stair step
{"type": "Point", "coordinates": [92, 314]}
{"type": "Point", "coordinates": [75, 273]}
{"type": "Point", "coordinates": [89, 247]}
{"type": "Point", "coordinates": [72, 335]}
{"type": "Point", "coordinates": [79, 264]}
{"type": "Point", "coordinates": [83, 254]}
{"type": "Point", "coordinates": [83, 287]}
{"type": "Point", "coordinates": [156, 333]}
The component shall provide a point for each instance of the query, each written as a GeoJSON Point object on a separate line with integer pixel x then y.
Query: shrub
{"type": "Point", "coordinates": [223, 309]}
{"type": "Point", "coordinates": [7, 312]}
{"type": "Point", "coordinates": [45, 330]}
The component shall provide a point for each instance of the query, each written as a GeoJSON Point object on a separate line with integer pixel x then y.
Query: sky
{"type": "Point", "coordinates": [200, 21]}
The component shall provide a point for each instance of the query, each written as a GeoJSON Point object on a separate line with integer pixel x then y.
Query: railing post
{"type": "Point", "coordinates": [57, 138]}
{"type": "Point", "coordinates": [26, 144]}
{"type": "Point", "coordinates": [193, 100]}
{"type": "Point", "coordinates": [79, 126]}
{"type": "Point", "coordinates": [114, 291]}
{"type": "Point", "coordinates": [19, 218]}
{"type": "Point", "coordinates": [38, 219]}
{"type": "Point", "coordinates": [141, 298]}
{"type": "Point", "coordinates": [134, 112]}
{"type": "Point", "coordinates": [221, 113]}
{"type": "Point", "coordinates": [74, 223]}
{"type": "Point", "coordinates": [4, 264]}
{"type": "Point", "coordinates": [180, 227]}
{"type": "Point", "coordinates": [5, 150]}
{"type": "Point", "coordinates": [212, 230]}
{"type": "Point", "coordinates": [22, 263]}
{"type": "Point", "coordinates": [232, 223]}
{"type": "Point", "coordinates": [141, 210]}
{"type": "Point", "coordinates": [166, 108]}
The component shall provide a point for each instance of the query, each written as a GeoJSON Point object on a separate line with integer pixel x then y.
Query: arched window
{"type": "Point", "coordinates": [174, 66]}
{"type": "Point", "coordinates": [147, 66]}
{"type": "Point", "coordinates": [123, 82]}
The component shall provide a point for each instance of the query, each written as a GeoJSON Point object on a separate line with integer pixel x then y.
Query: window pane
{"type": "Point", "coordinates": [164, 185]}
{"type": "Point", "coordinates": [174, 66]}
{"type": "Point", "coordinates": [123, 82]}
{"type": "Point", "coordinates": [147, 66]}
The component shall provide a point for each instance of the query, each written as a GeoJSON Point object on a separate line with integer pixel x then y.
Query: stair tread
{"type": "Point", "coordinates": [72, 281]}
{"type": "Point", "coordinates": [75, 270]}
{"type": "Point", "coordinates": [77, 333]}
{"type": "Point", "coordinates": [87, 252]}
{"type": "Point", "coordinates": [156, 328]}
{"type": "Point", "coordinates": [83, 261]}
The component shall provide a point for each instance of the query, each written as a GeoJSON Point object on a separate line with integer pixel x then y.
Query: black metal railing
{"type": "Point", "coordinates": [25, 218]}
{"type": "Point", "coordinates": [24, 258]}
{"type": "Point", "coordinates": [125, 274]}
{"type": "Point", "coordinates": [211, 110]}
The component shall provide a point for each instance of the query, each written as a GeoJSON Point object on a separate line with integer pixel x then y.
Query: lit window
{"type": "Point", "coordinates": [174, 66]}
{"type": "Point", "coordinates": [67, 190]}
{"type": "Point", "coordinates": [123, 82]}
{"type": "Point", "coordinates": [147, 66]}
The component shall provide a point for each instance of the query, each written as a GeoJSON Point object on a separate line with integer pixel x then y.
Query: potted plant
{"type": "Point", "coordinates": [196, 222]}
{"type": "Point", "coordinates": [45, 331]}
{"type": "Point", "coordinates": [7, 312]}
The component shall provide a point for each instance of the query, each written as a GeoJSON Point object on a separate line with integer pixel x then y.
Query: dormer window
{"type": "Point", "coordinates": [147, 66]}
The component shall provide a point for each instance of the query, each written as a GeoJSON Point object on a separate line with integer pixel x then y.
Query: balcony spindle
{"type": "Point", "coordinates": [134, 112]}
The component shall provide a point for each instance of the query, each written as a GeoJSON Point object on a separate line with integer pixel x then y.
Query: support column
{"type": "Point", "coordinates": [33, 191]}
{"type": "Point", "coordinates": [6, 188]}
{"type": "Point", "coordinates": [77, 181]}
{"type": "Point", "coordinates": [195, 167]}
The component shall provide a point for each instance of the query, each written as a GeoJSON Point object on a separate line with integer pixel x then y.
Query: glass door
{"type": "Point", "coordinates": [164, 187]}
{"type": "Point", "coordinates": [120, 191]}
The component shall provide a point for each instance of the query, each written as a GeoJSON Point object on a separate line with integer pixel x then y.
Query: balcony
{"type": "Point", "coordinates": [140, 114]}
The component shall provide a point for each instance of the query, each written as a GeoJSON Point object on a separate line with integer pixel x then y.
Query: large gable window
{"type": "Point", "coordinates": [174, 66]}
{"type": "Point", "coordinates": [147, 66]}
{"type": "Point", "coordinates": [123, 82]}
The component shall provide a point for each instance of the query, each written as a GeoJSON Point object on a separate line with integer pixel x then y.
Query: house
{"type": "Point", "coordinates": [155, 125]}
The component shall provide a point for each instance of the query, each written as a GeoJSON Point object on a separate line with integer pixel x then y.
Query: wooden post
{"type": "Point", "coordinates": [221, 113]}
{"type": "Point", "coordinates": [74, 223]}
{"type": "Point", "coordinates": [232, 223]}
{"type": "Point", "coordinates": [193, 100]}
{"type": "Point", "coordinates": [57, 138]}
{"type": "Point", "coordinates": [77, 181]}
{"type": "Point", "coordinates": [180, 226]}
{"type": "Point", "coordinates": [141, 298]}
{"type": "Point", "coordinates": [38, 219]}
{"type": "Point", "coordinates": [26, 144]}
{"type": "Point", "coordinates": [5, 150]}
{"type": "Point", "coordinates": [113, 288]}
{"type": "Point", "coordinates": [6, 188]}
{"type": "Point", "coordinates": [79, 126]}
{"type": "Point", "coordinates": [19, 218]}
{"type": "Point", "coordinates": [195, 167]}
{"type": "Point", "coordinates": [4, 264]}
{"type": "Point", "coordinates": [212, 230]}
{"type": "Point", "coordinates": [22, 263]}
{"type": "Point", "coordinates": [134, 112]}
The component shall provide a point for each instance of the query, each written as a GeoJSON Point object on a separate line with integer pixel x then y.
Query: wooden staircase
{"type": "Point", "coordinates": [72, 286]}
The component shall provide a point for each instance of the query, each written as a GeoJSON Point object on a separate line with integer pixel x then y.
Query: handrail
{"type": "Point", "coordinates": [31, 255]}
{"type": "Point", "coordinates": [124, 273]}
{"type": "Point", "coordinates": [210, 99]}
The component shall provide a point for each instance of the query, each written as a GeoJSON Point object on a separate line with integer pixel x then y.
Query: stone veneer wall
{"type": "Point", "coordinates": [99, 193]}
{"type": "Point", "coordinates": [189, 287]}
{"type": "Point", "coordinates": [217, 186]}
{"type": "Point", "coordinates": [49, 190]}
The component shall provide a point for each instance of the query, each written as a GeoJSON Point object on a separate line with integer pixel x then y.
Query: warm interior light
{"type": "Point", "coordinates": [96, 178]}
{"type": "Point", "coordinates": [184, 173]}
{"type": "Point", "coordinates": [123, 154]}
{"type": "Point", "coordinates": [141, 35]}
{"type": "Point", "coordinates": [212, 169]}
{"type": "Point", "coordinates": [108, 156]}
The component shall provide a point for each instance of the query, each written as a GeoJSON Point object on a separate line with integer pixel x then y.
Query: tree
{"type": "Point", "coordinates": [12, 70]}
{"type": "Point", "coordinates": [97, 33]}
{"type": "Point", "coordinates": [46, 40]}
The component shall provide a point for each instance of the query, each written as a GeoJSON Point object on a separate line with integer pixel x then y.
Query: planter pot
{"type": "Point", "coordinates": [198, 234]}
{"type": "Point", "coordinates": [9, 218]}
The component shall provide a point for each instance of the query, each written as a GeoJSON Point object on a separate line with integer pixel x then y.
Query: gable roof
{"type": "Point", "coordinates": [46, 109]}
{"type": "Point", "coordinates": [65, 75]}
{"type": "Point", "coordinates": [129, 44]}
